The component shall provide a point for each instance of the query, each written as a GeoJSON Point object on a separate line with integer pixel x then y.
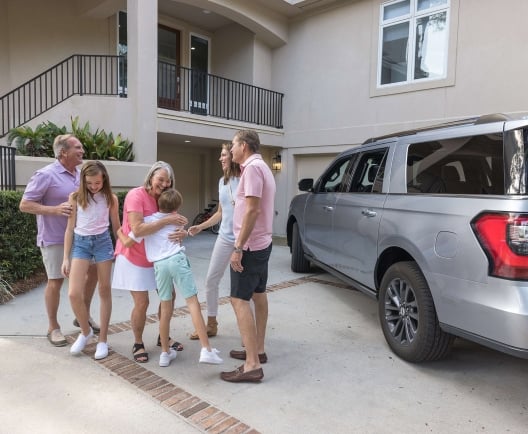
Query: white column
{"type": "Point", "coordinates": [142, 27]}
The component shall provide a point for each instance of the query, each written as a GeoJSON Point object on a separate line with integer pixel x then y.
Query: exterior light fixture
{"type": "Point", "coordinates": [276, 162]}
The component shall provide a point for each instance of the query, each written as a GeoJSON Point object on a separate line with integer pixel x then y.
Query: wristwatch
{"type": "Point", "coordinates": [238, 249]}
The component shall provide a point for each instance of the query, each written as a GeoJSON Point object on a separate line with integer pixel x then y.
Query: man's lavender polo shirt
{"type": "Point", "coordinates": [51, 186]}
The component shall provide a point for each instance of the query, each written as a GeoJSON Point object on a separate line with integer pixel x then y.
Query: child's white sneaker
{"type": "Point", "coordinates": [210, 356]}
{"type": "Point", "coordinates": [167, 358]}
{"type": "Point", "coordinates": [101, 351]}
{"type": "Point", "coordinates": [80, 343]}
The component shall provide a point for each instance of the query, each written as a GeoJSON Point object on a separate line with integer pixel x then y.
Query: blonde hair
{"type": "Point", "coordinates": [83, 195]}
{"type": "Point", "coordinates": [158, 165]}
{"type": "Point", "coordinates": [170, 200]}
{"type": "Point", "coordinates": [233, 170]}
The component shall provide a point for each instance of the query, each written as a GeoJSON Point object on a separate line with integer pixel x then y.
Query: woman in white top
{"type": "Point", "coordinates": [227, 187]}
{"type": "Point", "coordinates": [87, 239]}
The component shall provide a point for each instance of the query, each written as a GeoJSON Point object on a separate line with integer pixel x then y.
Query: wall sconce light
{"type": "Point", "coordinates": [276, 162]}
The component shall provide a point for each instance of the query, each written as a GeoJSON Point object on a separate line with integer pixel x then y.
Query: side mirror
{"type": "Point", "coordinates": [306, 184]}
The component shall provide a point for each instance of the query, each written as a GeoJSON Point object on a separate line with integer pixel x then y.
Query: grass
{"type": "Point", "coordinates": [6, 292]}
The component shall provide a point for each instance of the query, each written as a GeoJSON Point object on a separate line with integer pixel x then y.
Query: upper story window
{"type": "Point", "coordinates": [413, 41]}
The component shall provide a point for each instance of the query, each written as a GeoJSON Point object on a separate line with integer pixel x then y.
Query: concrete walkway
{"type": "Point", "coordinates": [329, 371]}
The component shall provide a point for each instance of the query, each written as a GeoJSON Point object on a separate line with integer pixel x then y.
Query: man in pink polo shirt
{"type": "Point", "coordinates": [46, 195]}
{"type": "Point", "coordinates": [252, 226]}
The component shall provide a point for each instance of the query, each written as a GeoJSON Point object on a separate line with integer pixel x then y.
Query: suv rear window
{"type": "Point", "coordinates": [467, 165]}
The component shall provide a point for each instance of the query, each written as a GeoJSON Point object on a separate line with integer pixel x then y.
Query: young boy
{"type": "Point", "coordinates": [171, 267]}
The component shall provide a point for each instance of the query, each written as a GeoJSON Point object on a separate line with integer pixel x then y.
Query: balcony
{"type": "Point", "coordinates": [179, 88]}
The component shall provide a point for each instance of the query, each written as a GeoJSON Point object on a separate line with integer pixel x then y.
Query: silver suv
{"type": "Point", "coordinates": [432, 223]}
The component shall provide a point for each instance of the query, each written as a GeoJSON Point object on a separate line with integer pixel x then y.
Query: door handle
{"type": "Point", "coordinates": [368, 213]}
{"type": "Point", "coordinates": [328, 208]}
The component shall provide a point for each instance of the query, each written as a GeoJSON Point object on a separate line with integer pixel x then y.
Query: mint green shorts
{"type": "Point", "coordinates": [174, 271]}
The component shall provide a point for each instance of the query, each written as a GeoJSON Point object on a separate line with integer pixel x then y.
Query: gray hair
{"type": "Point", "coordinates": [251, 137]}
{"type": "Point", "coordinates": [61, 144]}
{"type": "Point", "coordinates": [158, 165]}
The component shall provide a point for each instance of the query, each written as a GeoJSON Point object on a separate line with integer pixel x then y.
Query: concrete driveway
{"type": "Point", "coordinates": [329, 371]}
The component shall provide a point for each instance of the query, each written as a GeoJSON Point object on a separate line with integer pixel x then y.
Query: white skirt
{"type": "Point", "coordinates": [130, 277]}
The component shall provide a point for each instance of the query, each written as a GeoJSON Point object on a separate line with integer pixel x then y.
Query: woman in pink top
{"type": "Point", "coordinates": [132, 271]}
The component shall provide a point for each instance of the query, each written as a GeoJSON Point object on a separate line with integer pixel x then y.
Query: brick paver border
{"type": "Point", "coordinates": [197, 412]}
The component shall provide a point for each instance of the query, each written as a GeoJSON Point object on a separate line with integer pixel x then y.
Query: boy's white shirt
{"type": "Point", "coordinates": [157, 245]}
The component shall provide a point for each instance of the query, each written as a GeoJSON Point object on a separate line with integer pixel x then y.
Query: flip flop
{"type": "Point", "coordinates": [178, 346]}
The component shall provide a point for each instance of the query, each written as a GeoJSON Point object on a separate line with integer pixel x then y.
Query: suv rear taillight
{"type": "Point", "coordinates": [504, 238]}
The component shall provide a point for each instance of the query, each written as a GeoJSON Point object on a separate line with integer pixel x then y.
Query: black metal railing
{"type": "Point", "coordinates": [194, 91]}
{"type": "Point", "coordinates": [79, 74]}
{"type": "Point", "coordinates": [7, 168]}
{"type": "Point", "coordinates": [179, 88]}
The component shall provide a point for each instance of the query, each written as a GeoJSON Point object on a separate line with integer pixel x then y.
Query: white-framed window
{"type": "Point", "coordinates": [413, 41]}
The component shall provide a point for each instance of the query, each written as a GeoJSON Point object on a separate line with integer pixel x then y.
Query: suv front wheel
{"type": "Point", "coordinates": [299, 263]}
{"type": "Point", "coordinates": [408, 316]}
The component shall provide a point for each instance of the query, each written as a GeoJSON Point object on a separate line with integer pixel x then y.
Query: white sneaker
{"type": "Point", "coordinates": [80, 343]}
{"type": "Point", "coordinates": [101, 351]}
{"type": "Point", "coordinates": [167, 358]}
{"type": "Point", "coordinates": [210, 356]}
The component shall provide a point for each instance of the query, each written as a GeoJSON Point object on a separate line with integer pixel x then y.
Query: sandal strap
{"type": "Point", "coordinates": [138, 347]}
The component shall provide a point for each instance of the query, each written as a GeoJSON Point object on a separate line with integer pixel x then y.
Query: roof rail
{"type": "Point", "coordinates": [475, 120]}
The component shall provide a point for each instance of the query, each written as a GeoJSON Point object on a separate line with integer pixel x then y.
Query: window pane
{"type": "Point", "coordinates": [396, 10]}
{"type": "Point", "coordinates": [431, 46]}
{"type": "Point", "coordinates": [367, 171]}
{"type": "Point", "coordinates": [472, 165]}
{"type": "Point", "coordinates": [426, 4]}
{"type": "Point", "coordinates": [394, 53]}
{"type": "Point", "coordinates": [332, 180]}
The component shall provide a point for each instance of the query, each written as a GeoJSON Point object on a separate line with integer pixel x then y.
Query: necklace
{"type": "Point", "coordinates": [231, 193]}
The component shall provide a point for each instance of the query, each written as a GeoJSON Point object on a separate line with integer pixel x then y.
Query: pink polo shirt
{"type": "Point", "coordinates": [256, 181]}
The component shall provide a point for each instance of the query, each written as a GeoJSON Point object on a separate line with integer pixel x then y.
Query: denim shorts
{"type": "Point", "coordinates": [98, 248]}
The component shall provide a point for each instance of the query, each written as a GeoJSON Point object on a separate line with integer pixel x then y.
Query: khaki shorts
{"type": "Point", "coordinates": [52, 257]}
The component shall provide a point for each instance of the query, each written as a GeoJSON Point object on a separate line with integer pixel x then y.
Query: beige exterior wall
{"type": "Point", "coordinates": [232, 47]}
{"type": "Point", "coordinates": [325, 61]}
{"type": "Point", "coordinates": [40, 34]}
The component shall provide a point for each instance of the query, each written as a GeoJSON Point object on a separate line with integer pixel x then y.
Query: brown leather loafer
{"type": "Point", "coordinates": [239, 376]}
{"type": "Point", "coordinates": [241, 355]}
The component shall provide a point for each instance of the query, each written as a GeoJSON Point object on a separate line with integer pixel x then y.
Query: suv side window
{"type": "Point", "coordinates": [368, 174]}
{"type": "Point", "coordinates": [336, 178]}
{"type": "Point", "coordinates": [467, 165]}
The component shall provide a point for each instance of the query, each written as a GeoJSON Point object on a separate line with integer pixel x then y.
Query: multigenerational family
{"type": "Point", "coordinates": [75, 208]}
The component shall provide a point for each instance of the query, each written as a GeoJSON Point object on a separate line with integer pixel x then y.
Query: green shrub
{"type": "Point", "coordinates": [97, 146]}
{"type": "Point", "coordinates": [20, 257]}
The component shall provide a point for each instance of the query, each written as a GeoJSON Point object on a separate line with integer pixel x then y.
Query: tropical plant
{"type": "Point", "coordinates": [97, 146]}
{"type": "Point", "coordinates": [35, 143]}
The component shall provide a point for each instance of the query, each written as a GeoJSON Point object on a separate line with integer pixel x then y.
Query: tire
{"type": "Point", "coordinates": [408, 316]}
{"type": "Point", "coordinates": [198, 219]}
{"type": "Point", "coordinates": [299, 263]}
{"type": "Point", "coordinates": [215, 228]}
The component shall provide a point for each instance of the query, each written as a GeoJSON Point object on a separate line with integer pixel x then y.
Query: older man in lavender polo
{"type": "Point", "coordinates": [46, 195]}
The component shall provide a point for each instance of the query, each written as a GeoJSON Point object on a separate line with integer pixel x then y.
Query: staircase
{"type": "Point", "coordinates": [79, 74]}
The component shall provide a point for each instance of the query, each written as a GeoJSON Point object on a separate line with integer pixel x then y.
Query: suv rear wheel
{"type": "Point", "coordinates": [408, 316]}
{"type": "Point", "coordinates": [299, 263]}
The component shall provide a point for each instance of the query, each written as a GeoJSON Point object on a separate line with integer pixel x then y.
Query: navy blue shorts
{"type": "Point", "coordinates": [254, 278]}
